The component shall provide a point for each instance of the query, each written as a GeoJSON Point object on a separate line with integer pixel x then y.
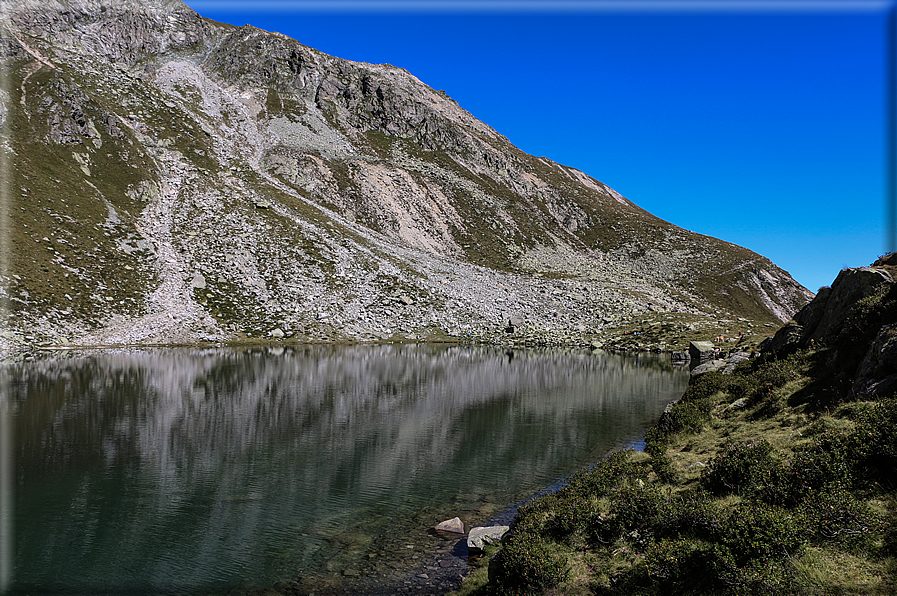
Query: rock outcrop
{"type": "Point", "coordinates": [856, 320]}
{"type": "Point", "coordinates": [831, 307]}
{"type": "Point", "coordinates": [877, 374]}
{"type": "Point", "coordinates": [823, 318]}
{"type": "Point", "coordinates": [178, 179]}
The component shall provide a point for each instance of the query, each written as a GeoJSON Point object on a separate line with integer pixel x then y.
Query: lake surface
{"type": "Point", "coordinates": [193, 471]}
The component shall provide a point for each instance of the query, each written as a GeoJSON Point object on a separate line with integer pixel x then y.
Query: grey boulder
{"type": "Point", "coordinates": [481, 536]}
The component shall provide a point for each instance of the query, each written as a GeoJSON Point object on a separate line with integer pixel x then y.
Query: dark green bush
{"type": "Point", "coordinates": [572, 509]}
{"type": "Point", "coordinates": [873, 444]}
{"type": "Point", "coordinates": [758, 382]}
{"type": "Point", "coordinates": [760, 577]}
{"type": "Point", "coordinates": [740, 468]}
{"type": "Point", "coordinates": [687, 414]}
{"type": "Point", "coordinates": [526, 565]}
{"type": "Point", "coordinates": [854, 410]}
{"type": "Point", "coordinates": [606, 475]}
{"type": "Point", "coordinates": [744, 553]}
{"type": "Point", "coordinates": [889, 530]}
{"type": "Point", "coordinates": [827, 460]}
{"type": "Point", "coordinates": [755, 531]}
{"type": "Point", "coordinates": [704, 386]}
{"type": "Point", "coordinates": [688, 566]}
{"type": "Point", "coordinates": [565, 513]}
{"type": "Point", "coordinates": [684, 416]}
{"type": "Point", "coordinates": [692, 515]}
{"type": "Point", "coordinates": [772, 375]}
{"type": "Point", "coordinates": [834, 515]}
{"type": "Point", "coordinates": [663, 467]}
{"type": "Point", "coordinates": [634, 507]}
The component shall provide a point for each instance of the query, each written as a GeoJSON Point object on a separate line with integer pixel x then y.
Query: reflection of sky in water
{"type": "Point", "coordinates": [194, 468]}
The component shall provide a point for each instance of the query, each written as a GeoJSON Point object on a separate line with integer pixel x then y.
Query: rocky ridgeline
{"type": "Point", "coordinates": [179, 180]}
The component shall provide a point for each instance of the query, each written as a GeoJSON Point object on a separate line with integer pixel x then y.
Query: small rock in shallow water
{"type": "Point", "coordinates": [453, 526]}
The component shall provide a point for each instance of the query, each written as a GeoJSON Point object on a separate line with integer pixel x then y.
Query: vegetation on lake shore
{"type": "Point", "coordinates": [780, 477]}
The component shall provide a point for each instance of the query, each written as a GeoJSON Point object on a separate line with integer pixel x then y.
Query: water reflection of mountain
{"type": "Point", "coordinates": [226, 445]}
{"type": "Point", "coordinates": [194, 406]}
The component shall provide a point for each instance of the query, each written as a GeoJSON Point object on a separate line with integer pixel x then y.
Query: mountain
{"type": "Point", "coordinates": [173, 179]}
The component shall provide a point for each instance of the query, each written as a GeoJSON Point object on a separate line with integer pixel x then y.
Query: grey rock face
{"type": "Point", "coordinates": [710, 366]}
{"type": "Point", "coordinates": [734, 360]}
{"type": "Point", "coordinates": [825, 314]}
{"type": "Point", "coordinates": [788, 337]}
{"type": "Point", "coordinates": [118, 30]}
{"type": "Point", "coordinates": [877, 374]}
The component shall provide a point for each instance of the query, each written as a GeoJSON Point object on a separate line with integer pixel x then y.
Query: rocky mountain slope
{"type": "Point", "coordinates": [170, 178]}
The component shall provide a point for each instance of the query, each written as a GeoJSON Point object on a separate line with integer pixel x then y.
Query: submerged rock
{"type": "Point", "coordinates": [452, 526]}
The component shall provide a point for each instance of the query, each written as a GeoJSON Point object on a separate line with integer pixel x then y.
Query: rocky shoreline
{"type": "Point", "coordinates": [654, 333]}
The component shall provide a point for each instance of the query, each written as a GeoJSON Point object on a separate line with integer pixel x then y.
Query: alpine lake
{"type": "Point", "coordinates": [188, 471]}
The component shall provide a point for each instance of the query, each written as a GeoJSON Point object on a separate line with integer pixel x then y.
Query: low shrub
{"type": "Point", "coordinates": [688, 566]}
{"type": "Point", "coordinates": [687, 414]}
{"type": "Point", "coordinates": [758, 381]}
{"type": "Point", "coordinates": [826, 461]}
{"type": "Point", "coordinates": [740, 468]}
{"type": "Point", "coordinates": [704, 386]}
{"type": "Point", "coordinates": [606, 475]}
{"type": "Point", "coordinates": [755, 531]}
{"type": "Point", "coordinates": [526, 564]}
{"type": "Point", "coordinates": [873, 444]}
{"type": "Point", "coordinates": [567, 514]}
{"type": "Point", "coordinates": [635, 507]}
{"type": "Point", "coordinates": [573, 510]}
{"type": "Point", "coordinates": [766, 577]}
{"type": "Point", "coordinates": [889, 530]}
{"type": "Point", "coordinates": [692, 515]}
{"type": "Point", "coordinates": [684, 416]}
{"type": "Point", "coordinates": [770, 375]}
{"type": "Point", "coordinates": [834, 515]}
{"type": "Point", "coordinates": [662, 466]}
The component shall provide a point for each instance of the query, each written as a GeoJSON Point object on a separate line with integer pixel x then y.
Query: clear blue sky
{"type": "Point", "coordinates": [759, 122]}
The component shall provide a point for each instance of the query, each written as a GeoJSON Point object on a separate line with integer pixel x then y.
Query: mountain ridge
{"type": "Point", "coordinates": [226, 183]}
